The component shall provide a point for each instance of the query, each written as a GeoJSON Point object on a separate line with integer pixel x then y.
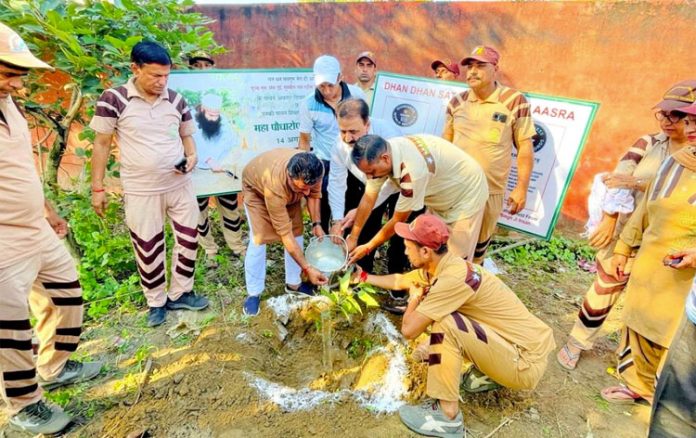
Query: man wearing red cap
{"type": "Point", "coordinates": [445, 69]}
{"type": "Point", "coordinates": [472, 316]}
{"type": "Point", "coordinates": [35, 268]}
{"type": "Point", "coordinates": [366, 70]}
{"type": "Point", "coordinates": [486, 122]}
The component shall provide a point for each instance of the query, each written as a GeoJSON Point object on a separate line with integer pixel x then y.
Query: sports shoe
{"type": "Point", "coordinates": [157, 316]}
{"type": "Point", "coordinates": [72, 372]}
{"type": "Point", "coordinates": [429, 420]}
{"type": "Point", "coordinates": [251, 305]}
{"type": "Point", "coordinates": [40, 418]}
{"type": "Point", "coordinates": [303, 289]}
{"type": "Point", "coordinates": [475, 381]}
{"type": "Point", "coordinates": [188, 301]}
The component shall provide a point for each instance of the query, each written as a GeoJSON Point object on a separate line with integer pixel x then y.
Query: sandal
{"type": "Point", "coordinates": [566, 358]}
{"type": "Point", "coordinates": [620, 395]}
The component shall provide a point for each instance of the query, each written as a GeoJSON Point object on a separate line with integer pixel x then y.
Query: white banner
{"type": "Point", "coordinates": [252, 111]}
{"type": "Point", "coordinates": [417, 105]}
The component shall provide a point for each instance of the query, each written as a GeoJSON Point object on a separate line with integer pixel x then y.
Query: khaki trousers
{"type": "Point", "coordinates": [231, 225]}
{"type": "Point", "coordinates": [599, 299]}
{"type": "Point", "coordinates": [145, 217]}
{"type": "Point", "coordinates": [494, 206]}
{"type": "Point", "coordinates": [463, 236]}
{"type": "Point", "coordinates": [638, 361]}
{"type": "Point", "coordinates": [457, 338]}
{"type": "Point", "coordinates": [46, 282]}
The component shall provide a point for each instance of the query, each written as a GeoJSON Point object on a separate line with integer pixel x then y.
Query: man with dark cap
{"type": "Point", "coordinates": [486, 122]}
{"type": "Point", "coordinates": [200, 60]}
{"type": "Point", "coordinates": [445, 69]}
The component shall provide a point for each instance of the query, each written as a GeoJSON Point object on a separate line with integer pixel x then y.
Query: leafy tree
{"type": "Point", "coordinates": [89, 43]}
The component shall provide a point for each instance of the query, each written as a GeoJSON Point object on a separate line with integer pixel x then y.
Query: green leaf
{"type": "Point", "coordinates": [367, 299]}
{"type": "Point", "coordinates": [344, 283]}
{"type": "Point", "coordinates": [355, 305]}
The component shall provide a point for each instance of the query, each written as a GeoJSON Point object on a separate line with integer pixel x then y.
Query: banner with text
{"type": "Point", "coordinates": [239, 114]}
{"type": "Point", "coordinates": [417, 105]}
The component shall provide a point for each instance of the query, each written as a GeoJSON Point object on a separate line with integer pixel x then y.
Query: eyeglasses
{"type": "Point", "coordinates": [671, 116]}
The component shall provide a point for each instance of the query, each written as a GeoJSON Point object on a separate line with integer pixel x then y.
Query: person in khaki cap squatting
{"type": "Point", "coordinates": [472, 316]}
{"type": "Point", "coordinates": [634, 171]}
{"type": "Point", "coordinates": [35, 267]}
{"type": "Point", "coordinates": [486, 121]}
{"type": "Point", "coordinates": [215, 135]}
{"type": "Point", "coordinates": [445, 69]}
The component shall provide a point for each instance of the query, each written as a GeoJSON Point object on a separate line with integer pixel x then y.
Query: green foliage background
{"type": "Point", "coordinates": [89, 44]}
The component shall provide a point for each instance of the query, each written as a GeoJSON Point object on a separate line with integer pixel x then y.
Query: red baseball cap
{"type": "Point", "coordinates": [690, 109]}
{"type": "Point", "coordinates": [427, 230]}
{"type": "Point", "coordinates": [483, 54]}
{"type": "Point", "coordinates": [447, 63]}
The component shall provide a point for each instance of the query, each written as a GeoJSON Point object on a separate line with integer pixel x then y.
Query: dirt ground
{"type": "Point", "coordinates": [198, 385]}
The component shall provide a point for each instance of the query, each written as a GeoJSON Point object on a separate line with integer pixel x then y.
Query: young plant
{"type": "Point", "coordinates": [344, 299]}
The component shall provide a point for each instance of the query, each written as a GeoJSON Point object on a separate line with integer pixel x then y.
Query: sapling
{"type": "Point", "coordinates": [344, 301]}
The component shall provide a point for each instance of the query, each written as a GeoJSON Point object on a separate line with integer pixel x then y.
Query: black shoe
{"type": "Point", "coordinates": [188, 301]}
{"type": "Point", "coordinates": [157, 316]}
{"type": "Point", "coordinates": [303, 289]}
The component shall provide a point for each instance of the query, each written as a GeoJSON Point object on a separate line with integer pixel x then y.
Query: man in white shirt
{"type": "Point", "coordinates": [347, 182]}
{"type": "Point", "coordinates": [318, 125]}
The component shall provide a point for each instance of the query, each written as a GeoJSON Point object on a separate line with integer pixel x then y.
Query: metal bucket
{"type": "Point", "coordinates": [329, 253]}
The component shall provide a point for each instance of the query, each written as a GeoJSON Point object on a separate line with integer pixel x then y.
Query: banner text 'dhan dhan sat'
{"type": "Point", "coordinates": [238, 115]}
{"type": "Point", "coordinates": [416, 105]}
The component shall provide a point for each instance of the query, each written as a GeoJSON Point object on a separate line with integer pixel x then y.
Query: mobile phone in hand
{"type": "Point", "coordinates": [669, 261]}
{"type": "Point", "coordinates": [181, 165]}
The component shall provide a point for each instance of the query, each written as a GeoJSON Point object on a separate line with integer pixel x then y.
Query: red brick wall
{"type": "Point", "coordinates": [623, 55]}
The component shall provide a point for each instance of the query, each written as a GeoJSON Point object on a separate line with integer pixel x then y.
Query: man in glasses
{"type": "Point", "coordinates": [486, 122]}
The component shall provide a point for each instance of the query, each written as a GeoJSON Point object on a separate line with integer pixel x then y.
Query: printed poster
{"type": "Point", "coordinates": [417, 105]}
{"type": "Point", "coordinates": [239, 114]}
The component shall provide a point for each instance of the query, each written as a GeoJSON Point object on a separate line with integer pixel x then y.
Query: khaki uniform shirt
{"type": "Point", "coordinates": [148, 137]}
{"type": "Point", "coordinates": [459, 286]}
{"type": "Point", "coordinates": [23, 226]}
{"type": "Point", "coordinates": [663, 222]}
{"type": "Point", "coordinates": [487, 129]}
{"type": "Point", "coordinates": [432, 172]}
{"type": "Point", "coordinates": [274, 209]}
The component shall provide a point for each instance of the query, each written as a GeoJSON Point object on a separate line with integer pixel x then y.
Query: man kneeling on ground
{"type": "Point", "coordinates": [472, 316]}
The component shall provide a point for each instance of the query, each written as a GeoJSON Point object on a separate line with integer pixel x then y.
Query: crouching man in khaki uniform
{"type": "Point", "coordinates": [472, 316]}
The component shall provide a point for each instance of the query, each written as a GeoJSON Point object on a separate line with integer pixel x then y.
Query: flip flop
{"type": "Point", "coordinates": [620, 395]}
{"type": "Point", "coordinates": [566, 358]}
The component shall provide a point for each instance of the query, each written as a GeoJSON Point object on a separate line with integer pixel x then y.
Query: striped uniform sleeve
{"type": "Point", "coordinates": [110, 106]}
{"type": "Point", "coordinates": [452, 105]}
{"type": "Point", "coordinates": [628, 163]}
{"type": "Point", "coordinates": [522, 122]}
{"type": "Point", "coordinates": [187, 126]}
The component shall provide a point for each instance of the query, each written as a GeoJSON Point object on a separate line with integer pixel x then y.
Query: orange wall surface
{"type": "Point", "coordinates": [622, 55]}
